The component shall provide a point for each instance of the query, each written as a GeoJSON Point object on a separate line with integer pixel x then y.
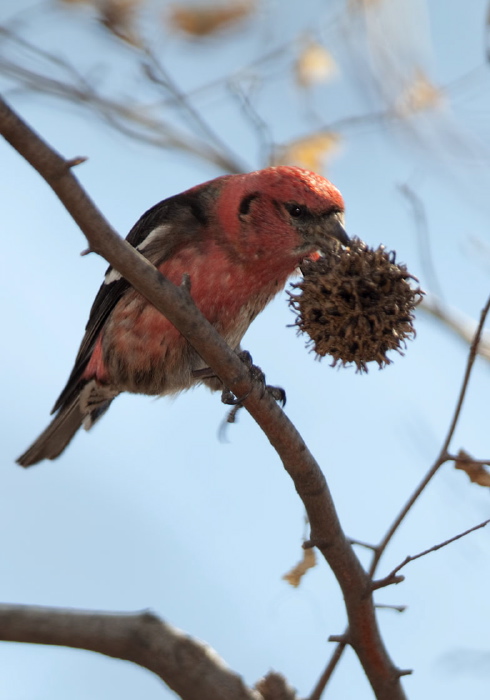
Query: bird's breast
{"type": "Point", "coordinates": [142, 352]}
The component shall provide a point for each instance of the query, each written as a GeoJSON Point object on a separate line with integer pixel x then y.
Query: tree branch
{"type": "Point", "coordinates": [392, 576]}
{"type": "Point", "coordinates": [443, 457]}
{"type": "Point", "coordinates": [461, 325]}
{"type": "Point", "coordinates": [190, 668]}
{"type": "Point", "coordinates": [443, 454]}
{"type": "Point", "coordinates": [176, 304]}
{"type": "Point", "coordinates": [135, 120]}
{"type": "Point", "coordinates": [423, 234]}
{"type": "Point", "coordinates": [327, 673]}
{"type": "Point", "coordinates": [433, 303]}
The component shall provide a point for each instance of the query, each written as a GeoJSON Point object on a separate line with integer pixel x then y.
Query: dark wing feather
{"type": "Point", "coordinates": [182, 218]}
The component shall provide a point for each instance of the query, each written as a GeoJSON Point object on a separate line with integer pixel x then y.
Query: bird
{"type": "Point", "coordinates": [238, 238]}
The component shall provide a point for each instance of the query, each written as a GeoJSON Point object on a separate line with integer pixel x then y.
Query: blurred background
{"type": "Point", "coordinates": [389, 100]}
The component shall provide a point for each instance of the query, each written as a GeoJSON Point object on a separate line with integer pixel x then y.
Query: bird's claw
{"type": "Point", "coordinates": [277, 393]}
{"type": "Point", "coordinates": [257, 376]}
{"type": "Point", "coordinates": [206, 374]}
{"type": "Point", "coordinates": [229, 398]}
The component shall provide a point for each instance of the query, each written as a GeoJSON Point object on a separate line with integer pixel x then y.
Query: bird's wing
{"type": "Point", "coordinates": [158, 234]}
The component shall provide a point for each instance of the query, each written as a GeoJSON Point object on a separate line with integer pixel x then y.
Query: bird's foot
{"type": "Point", "coordinates": [207, 375]}
{"type": "Point", "coordinates": [257, 376]}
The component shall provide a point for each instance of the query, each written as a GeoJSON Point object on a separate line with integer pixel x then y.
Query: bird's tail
{"type": "Point", "coordinates": [57, 435]}
{"type": "Point", "coordinates": [84, 406]}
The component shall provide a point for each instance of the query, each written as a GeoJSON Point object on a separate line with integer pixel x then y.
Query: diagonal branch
{"type": "Point", "coordinates": [443, 457]}
{"type": "Point", "coordinates": [453, 319]}
{"type": "Point", "coordinates": [423, 235]}
{"type": "Point", "coordinates": [443, 454]}
{"type": "Point", "coordinates": [327, 673]}
{"type": "Point", "coordinates": [176, 304]}
{"type": "Point", "coordinates": [134, 120]}
{"type": "Point", "coordinates": [189, 667]}
{"type": "Point", "coordinates": [392, 576]}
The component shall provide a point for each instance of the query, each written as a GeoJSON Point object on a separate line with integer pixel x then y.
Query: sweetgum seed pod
{"type": "Point", "coordinates": [356, 304]}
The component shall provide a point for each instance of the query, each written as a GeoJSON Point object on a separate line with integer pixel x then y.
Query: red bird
{"type": "Point", "coordinates": [239, 238]}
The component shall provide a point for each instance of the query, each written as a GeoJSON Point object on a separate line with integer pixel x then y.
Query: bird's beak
{"type": "Point", "coordinates": [341, 235]}
{"type": "Point", "coordinates": [332, 231]}
{"type": "Point", "coordinates": [326, 235]}
{"type": "Point", "coordinates": [336, 229]}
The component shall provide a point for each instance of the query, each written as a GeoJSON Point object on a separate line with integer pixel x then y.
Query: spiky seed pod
{"type": "Point", "coordinates": [356, 304]}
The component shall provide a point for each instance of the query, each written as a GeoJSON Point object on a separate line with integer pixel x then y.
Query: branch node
{"type": "Point", "coordinates": [73, 162]}
{"type": "Point", "coordinates": [392, 577]}
{"type": "Point", "coordinates": [385, 606]}
{"type": "Point", "coordinates": [339, 638]}
{"type": "Point", "coordinates": [86, 251]}
{"type": "Point", "coordinates": [360, 543]}
{"type": "Point", "coordinates": [387, 581]}
{"type": "Point", "coordinates": [404, 672]}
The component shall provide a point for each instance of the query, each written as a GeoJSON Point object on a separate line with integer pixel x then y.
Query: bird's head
{"type": "Point", "coordinates": [281, 212]}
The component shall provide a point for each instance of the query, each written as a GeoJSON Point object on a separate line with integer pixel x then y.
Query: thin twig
{"type": "Point", "coordinates": [387, 581]}
{"type": "Point", "coordinates": [386, 606]}
{"type": "Point", "coordinates": [392, 576]}
{"type": "Point", "coordinates": [469, 460]}
{"type": "Point", "coordinates": [327, 674]}
{"type": "Point", "coordinates": [360, 543]}
{"type": "Point", "coordinates": [160, 76]}
{"type": "Point", "coordinates": [463, 326]}
{"type": "Point", "coordinates": [130, 118]}
{"type": "Point", "coordinates": [261, 128]}
{"type": "Point", "coordinates": [487, 35]}
{"type": "Point", "coordinates": [423, 235]}
{"type": "Point", "coordinates": [443, 454]}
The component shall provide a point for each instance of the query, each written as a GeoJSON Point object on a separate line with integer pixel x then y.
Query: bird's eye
{"type": "Point", "coordinates": [296, 210]}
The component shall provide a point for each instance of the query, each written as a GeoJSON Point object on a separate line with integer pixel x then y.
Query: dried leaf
{"type": "Point", "coordinates": [475, 470]}
{"type": "Point", "coordinates": [314, 65]}
{"type": "Point", "coordinates": [294, 576]}
{"type": "Point", "coordinates": [118, 16]}
{"type": "Point", "coordinates": [419, 96]}
{"type": "Point", "coordinates": [203, 20]}
{"type": "Point", "coordinates": [310, 152]}
{"type": "Point", "coordinates": [363, 4]}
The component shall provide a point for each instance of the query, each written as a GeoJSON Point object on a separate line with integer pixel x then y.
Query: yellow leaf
{"type": "Point", "coordinates": [475, 470]}
{"type": "Point", "coordinates": [420, 95]}
{"type": "Point", "coordinates": [309, 152]}
{"type": "Point", "coordinates": [203, 20]}
{"type": "Point", "coordinates": [119, 17]}
{"type": "Point", "coordinates": [363, 4]}
{"type": "Point", "coordinates": [314, 65]}
{"type": "Point", "coordinates": [294, 576]}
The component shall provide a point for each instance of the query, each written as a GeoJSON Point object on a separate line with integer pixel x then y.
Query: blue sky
{"type": "Point", "coordinates": [150, 509]}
